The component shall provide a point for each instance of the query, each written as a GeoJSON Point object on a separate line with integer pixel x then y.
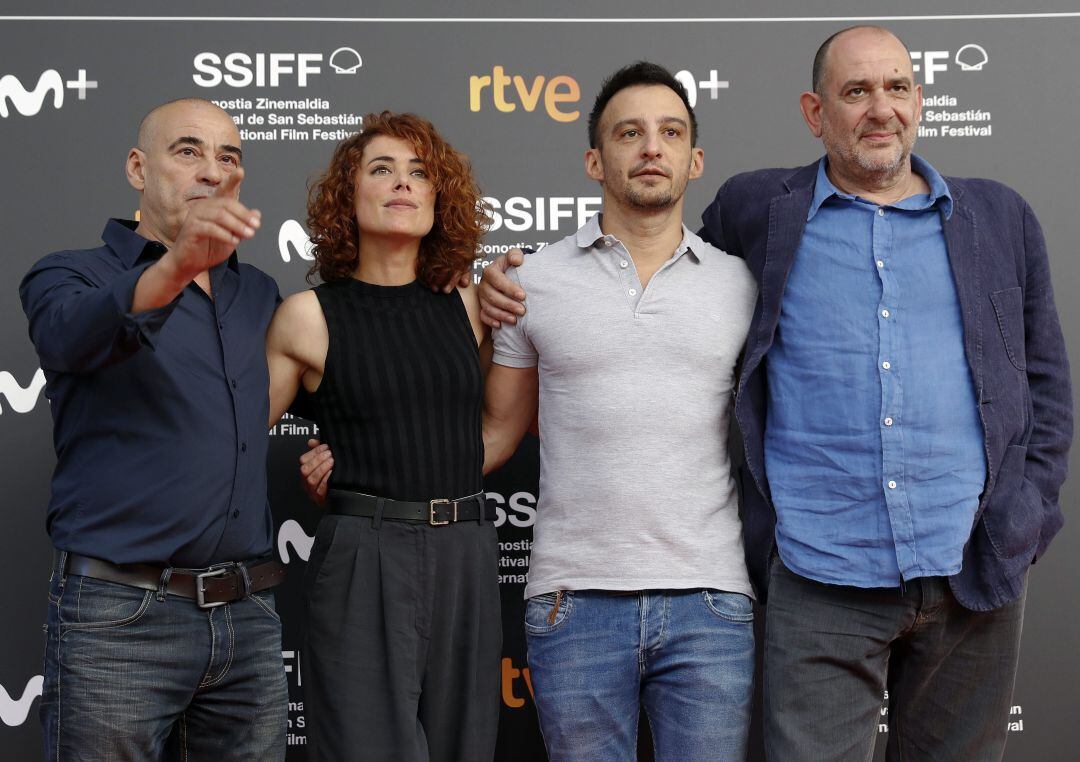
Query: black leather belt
{"type": "Point", "coordinates": [210, 587]}
{"type": "Point", "coordinates": [437, 513]}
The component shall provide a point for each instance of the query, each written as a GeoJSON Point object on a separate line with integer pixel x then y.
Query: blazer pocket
{"type": "Point", "coordinates": [1013, 517]}
{"type": "Point", "coordinates": [1009, 311]}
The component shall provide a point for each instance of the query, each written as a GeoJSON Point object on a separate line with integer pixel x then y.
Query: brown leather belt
{"type": "Point", "coordinates": [214, 586]}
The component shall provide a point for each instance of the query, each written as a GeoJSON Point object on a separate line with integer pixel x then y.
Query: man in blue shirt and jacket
{"type": "Point", "coordinates": [906, 473]}
{"type": "Point", "coordinates": [162, 641]}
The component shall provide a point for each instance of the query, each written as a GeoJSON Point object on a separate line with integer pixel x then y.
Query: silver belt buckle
{"type": "Point", "coordinates": [200, 592]}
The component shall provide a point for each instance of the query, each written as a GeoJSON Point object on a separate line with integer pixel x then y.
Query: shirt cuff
{"type": "Point", "coordinates": [142, 327]}
{"type": "Point", "coordinates": [514, 361]}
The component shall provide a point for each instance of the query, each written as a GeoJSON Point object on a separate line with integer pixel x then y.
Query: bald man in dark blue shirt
{"type": "Point", "coordinates": [163, 641]}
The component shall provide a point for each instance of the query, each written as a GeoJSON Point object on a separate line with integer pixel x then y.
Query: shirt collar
{"type": "Point", "coordinates": [590, 235]}
{"type": "Point", "coordinates": [131, 248]}
{"type": "Point", "coordinates": [939, 191]}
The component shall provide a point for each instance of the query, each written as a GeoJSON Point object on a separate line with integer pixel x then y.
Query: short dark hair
{"type": "Point", "coordinates": [818, 72]}
{"type": "Point", "coordinates": [634, 75]}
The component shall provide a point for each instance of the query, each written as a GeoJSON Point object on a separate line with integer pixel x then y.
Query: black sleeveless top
{"type": "Point", "coordinates": [401, 396]}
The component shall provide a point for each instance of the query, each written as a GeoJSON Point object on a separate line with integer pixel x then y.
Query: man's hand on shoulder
{"type": "Point", "coordinates": [500, 298]}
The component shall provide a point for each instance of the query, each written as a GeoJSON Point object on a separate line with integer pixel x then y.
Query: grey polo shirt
{"type": "Point", "coordinates": [635, 397]}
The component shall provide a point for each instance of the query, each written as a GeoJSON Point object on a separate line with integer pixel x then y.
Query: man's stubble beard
{"type": "Point", "coordinates": [870, 163]}
{"type": "Point", "coordinates": [640, 201]}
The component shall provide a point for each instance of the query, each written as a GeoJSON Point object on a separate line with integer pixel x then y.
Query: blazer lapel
{"type": "Point", "coordinates": [787, 220]}
{"type": "Point", "coordinates": [962, 245]}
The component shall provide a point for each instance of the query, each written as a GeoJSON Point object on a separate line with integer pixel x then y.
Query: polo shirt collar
{"type": "Point", "coordinates": [590, 235]}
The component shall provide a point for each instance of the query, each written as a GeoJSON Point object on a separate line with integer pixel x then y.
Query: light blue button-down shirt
{"type": "Point", "coordinates": [873, 443]}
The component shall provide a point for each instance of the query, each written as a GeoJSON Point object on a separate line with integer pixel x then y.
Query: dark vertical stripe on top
{"type": "Point", "coordinates": [401, 395]}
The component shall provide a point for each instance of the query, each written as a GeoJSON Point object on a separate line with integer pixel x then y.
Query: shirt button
{"type": "Point", "coordinates": [607, 242]}
{"type": "Point", "coordinates": [221, 326]}
{"type": "Point", "coordinates": [233, 382]}
{"type": "Point", "coordinates": [886, 365]}
{"type": "Point", "coordinates": [633, 292]}
{"type": "Point", "coordinates": [880, 212]}
{"type": "Point", "coordinates": [888, 421]}
{"type": "Point", "coordinates": [892, 484]}
{"type": "Point", "coordinates": [243, 447]}
{"type": "Point", "coordinates": [624, 263]}
{"type": "Point", "coordinates": [880, 264]}
{"type": "Point", "coordinates": [236, 514]}
{"type": "Point", "coordinates": [884, 313]}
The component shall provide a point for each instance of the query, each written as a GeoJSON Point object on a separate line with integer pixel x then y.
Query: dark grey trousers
{"type": "Point", "coordinates": [832, 651]}
{"type": "Point", "coordinates": [401, 659]}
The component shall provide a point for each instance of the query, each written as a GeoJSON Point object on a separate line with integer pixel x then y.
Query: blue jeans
{"type": "Point", "coordinates": [130, 675]}
{"type": "Point", "coordinates": [686, 656]}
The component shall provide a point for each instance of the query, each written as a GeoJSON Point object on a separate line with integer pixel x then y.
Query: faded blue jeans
{"type": "Point", "coordinates": [129, 676]}
{"type": "Point", "coordinates": [686, 656]}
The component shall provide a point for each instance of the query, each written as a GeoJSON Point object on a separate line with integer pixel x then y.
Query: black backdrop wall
{"type": "Point", "coordinates": [511, 89]}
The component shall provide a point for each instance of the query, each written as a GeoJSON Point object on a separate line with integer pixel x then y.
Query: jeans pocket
{"type": "Point", "coordinates": [548, 612]}
{"type": "Point", "coordinates": [265, 600]}
{"type": "Point", "coordinates": [89, 603]}
{"type": "Point", "coordinates": [735, 607]}
{"type": "Point", "coordinates": [56, 590]}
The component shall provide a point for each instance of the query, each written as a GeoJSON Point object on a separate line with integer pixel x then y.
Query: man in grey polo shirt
{"type": "Point", "coordinates": [638, 593]}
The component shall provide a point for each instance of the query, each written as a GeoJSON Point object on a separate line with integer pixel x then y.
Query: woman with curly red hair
{"type": "Point", "coordinates": [401, 659]}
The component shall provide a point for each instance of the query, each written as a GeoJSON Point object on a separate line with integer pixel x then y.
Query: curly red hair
{"type": "Point", "coordinates": [446, 251]}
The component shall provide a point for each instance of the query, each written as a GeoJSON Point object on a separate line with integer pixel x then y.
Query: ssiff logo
{"type": "Point", "coordinates": [13, 711]}
{"type": "Point", "coordinates": [22, 399]}
{"type": "Point", "coordinates": [29, 102]}
{"type": "Point", "coordinates": [239, 69]}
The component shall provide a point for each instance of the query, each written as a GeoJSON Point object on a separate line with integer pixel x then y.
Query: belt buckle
{"type": "Point", "coordinates": [200, 592]}
{"type": "Point", "coordinates": [431, 511]}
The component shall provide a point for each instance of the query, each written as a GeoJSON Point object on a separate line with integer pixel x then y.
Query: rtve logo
{"type": "Point", "coordinates": [29, 102]}
{"type": "Point", "coordinates": [269, 69]}
{"type": "Point", "coordinates": [507, 92]}
{"type": "Point", "coordinates": [21, 398]}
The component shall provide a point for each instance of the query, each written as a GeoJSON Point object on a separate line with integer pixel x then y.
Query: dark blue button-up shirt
{"type": "Point", "coordinates": [873, 443]}
{"type": "Point", "coordinates": [159, 417]}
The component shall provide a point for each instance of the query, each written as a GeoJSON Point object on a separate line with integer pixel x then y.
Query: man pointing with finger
{"type": "Point", "coordinates": [162, 637]}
